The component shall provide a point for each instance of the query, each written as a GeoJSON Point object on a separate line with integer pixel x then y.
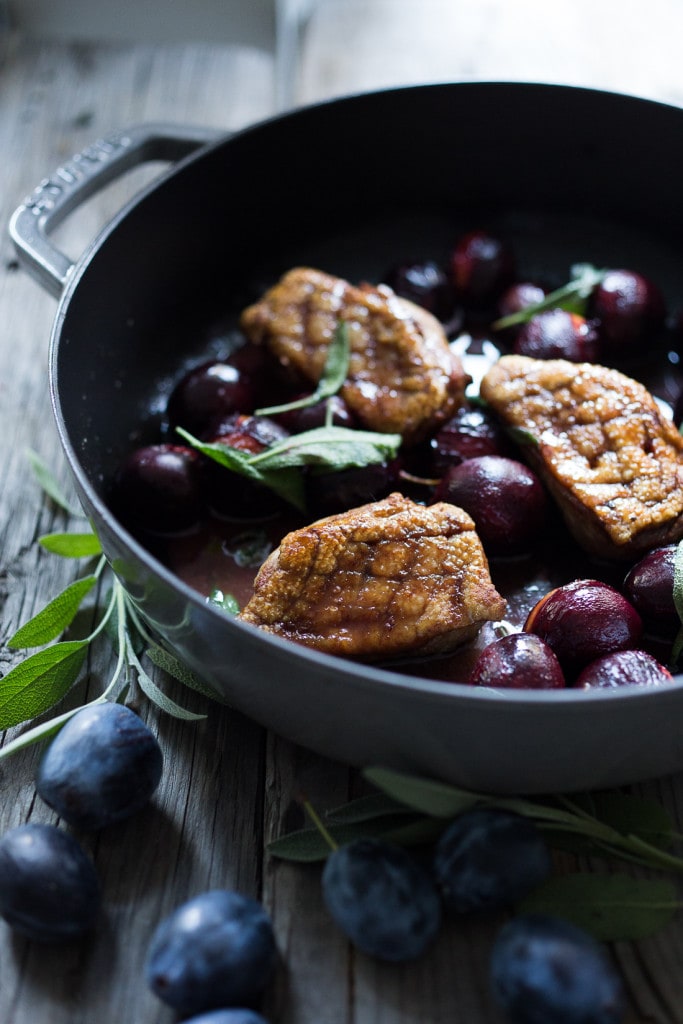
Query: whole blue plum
{"type": "Point", "coordinates": [49, 889]}
{"type": "Point", "coordinates": [215, 951]}
{"type": "Point", "coordinates": [103, 766]}
{"type": "Point", "coordinates": [489, 858]}
{"type": "Point", "coordinates": [381, 898]}
{"type": "Point", "coordinates": [544, 969]}
{"type": "Point", "coordinates": [235, 1015]}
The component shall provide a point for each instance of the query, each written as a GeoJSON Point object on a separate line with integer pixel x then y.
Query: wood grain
{"type": "Point", "coordinates": [228, 786]}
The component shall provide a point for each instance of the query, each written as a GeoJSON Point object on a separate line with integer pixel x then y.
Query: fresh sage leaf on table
{"type": "Point", "coordinates": [426, 795]}
{"type": "Point", "coordinates": [42, 680]}
{"type": "Point", "coordinates": [610, 907]}
{"type": "Point", "coordinates": [71, 545]}
{"type": "Point", "coordinates": [49, 483]}
{"type": "Point", "coordinates": [55, 617]}
{"type": "Point", "coordinates": [34, 685]}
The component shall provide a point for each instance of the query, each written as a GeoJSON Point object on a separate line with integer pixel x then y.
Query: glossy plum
{"type": "Point", "coordinates": [545, 969]}
{"type": "Point", "coordinates": [630, 312]}
{"type": "Point", "coordinates": [426, 284]}
{"type": "Point", "coordinates": [583, 620]}
{"type": "Point", "coordinates": [216, 950]}
{"type": "Point", "coordinates": [228, 494]}
{"type": "Point", "coordinates": [649, 586]}
{"type": "Point", "coordinates": [102, 766]}
{"type": "Point", "coordinates": [518, 297]}
{"type": "Point", "coordinates": [208, 393]}
{"type": "Point", "coordinates": [623, 668]}
{"type": "Point", "coordinates": [49, 889]}
{"type": "Point", "coordinates": [520, 661]}
{"type": "Point", "coordinates": [157, 489]}
{"type": "Point", "coordinates": [482, 265]}
{"type": "Point", "coordinates": [382, 899]}
{"type": "Point", "coordinates": [329, 493]}
{"type": "Point", "coordinates": [558, 334]}
{"type": "Point", "coordinates": [488, 859]}
{"type": "Point", "coordinates": [470, 433]}
{"type": "Point", "coordinates": [504, 497]}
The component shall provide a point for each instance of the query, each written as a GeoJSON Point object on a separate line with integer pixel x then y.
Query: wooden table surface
{"type": "Point", "coordinates": [229, 786]}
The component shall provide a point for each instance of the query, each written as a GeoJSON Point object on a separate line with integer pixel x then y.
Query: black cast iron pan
{"type": "Point", "coordinates": [351, 186]}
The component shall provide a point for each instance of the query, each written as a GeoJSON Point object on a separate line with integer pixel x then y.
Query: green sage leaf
{"type": "Point", "coordinates": [54, 618]}
{"type": "Point", "coordinates": [610, 907]}
{"type": "Point", "coordinates": [571, 296]}
{"type": "Point", "coordinates": [331, 447]}
{"type": "Point", "coordinates": [308, 845]}
{"type": "Point", "coordinates": [288, 484]}
{"type": "Point", "coordinates": [365, 808]}
{"type": "Point", "coordinates": [158, 697]}
{"type": "Point", "coordinates": [333, 376]}
{"type": "Point", "coordinates": [36, 684]}
{"type": "Point", "coordinates": [433, 798]}
{"type": "Point", "coordinates": [630, 815]}
{"type": "Point", "coordinates": [49, 484]}
{"type": "Point", "coordinates": [175, 668]}
{"type": "Point", "coordinates": [39, 733]}
{"type": "Point", "coordinates": [71, 545]}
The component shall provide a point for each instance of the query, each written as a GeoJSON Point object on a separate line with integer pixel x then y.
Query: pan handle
{"type": "Point", "coordinates": [77, 179]}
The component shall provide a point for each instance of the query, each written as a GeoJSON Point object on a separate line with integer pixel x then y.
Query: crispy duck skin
{"type": "Point", "coordinates": [384, 580]}
{"type": "Point", "coordinates": [609, 457]}
{"type": "Point", "coordinates": [403, 377]}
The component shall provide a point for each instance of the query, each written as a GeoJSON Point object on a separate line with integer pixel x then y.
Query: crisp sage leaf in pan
{"type": "Point", "coordinates": [334, 375]}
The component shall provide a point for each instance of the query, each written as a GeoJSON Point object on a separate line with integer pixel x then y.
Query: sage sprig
{"type": "Point", "coordinates": [412, 810]}
{"type": "Point", "coordinates": [279, 467]}
{"type": "Point", "coordinates": [37, 684]}
{"type": "Point", "coordinates": [571, 296]}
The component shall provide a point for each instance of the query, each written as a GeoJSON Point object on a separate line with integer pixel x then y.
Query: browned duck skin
{"type": "Point", "coordinates": [403, 377]}
{"type": "Point", "coordinates": [385, 580]}
{"type": "Point", "coordinates": [606, 452]}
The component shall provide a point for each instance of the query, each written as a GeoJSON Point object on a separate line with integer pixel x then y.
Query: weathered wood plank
{"type": "Point", "coordinates": [228, 786]}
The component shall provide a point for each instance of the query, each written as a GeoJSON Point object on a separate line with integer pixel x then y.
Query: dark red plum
{"type": "Point", "coordinates": [520, 661]}
{"type": "Point", "coordinates": [623, 668]}
{"type": "Point", "coordinates": [649, 586]}
{"type": "Point", "coordinates": [558, 334]}
{"type": "Point", "coordinates": [482, 265]}
{"type": "Point", "coordinates": [504, 497]}
{"type": "Point", "coordinates": [518, 297]}
{"type": "Point", "coordinates": [157, 489]}
{"type": "Point", "coordinates": [426, 284]}
{"type": "Point", "coordinates": [630, 311]}
{"type": "Point", "coordinates": [230, 495]}
{"type": "Point", "coordinates": [208, 393]}
{"type": "Point", "coordinates": [583, 621]}
{"type": "Point", "coordinates": [329, 493]}
{"type": "Point", "coordinates": [470, 433]}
